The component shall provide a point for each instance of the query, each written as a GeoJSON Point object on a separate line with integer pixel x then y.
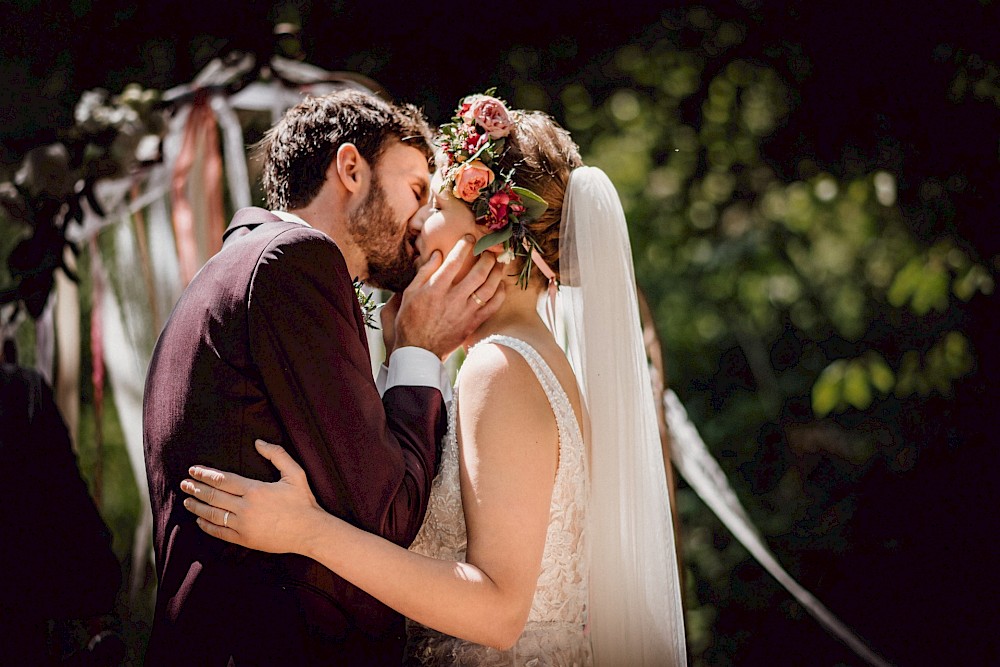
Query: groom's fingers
{"type": "Point", "coordinates": [454, 261]}
{"type": "Point", "coordinates": [425, 272]}
{"type": "Point", "coordinates": [483, 280]}
{"type": "Point", "coordinates": [482, 290]}
{"type": "Point", "coordinates": [490, 307]}
{"type": "Point", "coordinates": [477, 276]}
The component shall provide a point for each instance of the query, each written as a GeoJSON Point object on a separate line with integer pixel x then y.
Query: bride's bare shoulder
{"type": "Point", "coordinates": [494, 367]}
{"type": "Point", "coordinates": [498, 381]}
{"type": "Point", "coordinates": [506, 428]}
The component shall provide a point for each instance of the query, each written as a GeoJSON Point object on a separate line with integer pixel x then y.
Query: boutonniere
{"type": "Point", "coordinates": [367, 303]}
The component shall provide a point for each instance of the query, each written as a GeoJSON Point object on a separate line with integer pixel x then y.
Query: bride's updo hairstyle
{"type": "Point", "coordinates": [542, 155]}
{"type": "Point", "coordinates": [512, 169]}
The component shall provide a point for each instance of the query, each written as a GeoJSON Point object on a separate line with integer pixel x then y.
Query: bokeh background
{"type": "Point", "coordinates": [811, 192]}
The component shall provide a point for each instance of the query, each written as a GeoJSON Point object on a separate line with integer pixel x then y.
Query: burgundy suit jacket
{"type": "Point", "coordinates": [268, 341]}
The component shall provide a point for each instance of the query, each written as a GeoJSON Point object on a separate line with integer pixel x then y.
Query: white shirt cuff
{"type": "Point", "coordinates": [416, 367]}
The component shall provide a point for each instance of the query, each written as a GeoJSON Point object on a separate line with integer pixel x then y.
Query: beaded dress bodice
{"type": "Point", "coordinates": [555, 634]}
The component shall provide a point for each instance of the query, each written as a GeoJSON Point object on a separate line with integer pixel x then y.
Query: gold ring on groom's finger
{"type": "Point", "coordinates": [475, 297]}
{"type": "Point", "coordinates": [225, 520]}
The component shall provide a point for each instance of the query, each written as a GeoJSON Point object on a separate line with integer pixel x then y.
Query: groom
{"type": "Point", "coordinates": [268, 341]}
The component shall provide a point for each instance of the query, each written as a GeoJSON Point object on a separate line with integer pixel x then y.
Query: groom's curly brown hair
{"type": "Point", "coordinates": [298, 150]}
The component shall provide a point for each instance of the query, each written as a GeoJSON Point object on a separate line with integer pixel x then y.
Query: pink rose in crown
{"type": "Point", "coordinates": [470, 179]}
{"type": "Point", "coordinates": [492, 116]}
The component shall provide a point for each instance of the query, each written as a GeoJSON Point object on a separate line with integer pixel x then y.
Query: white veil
{"type": "Point", "coordinates": [635, 616]}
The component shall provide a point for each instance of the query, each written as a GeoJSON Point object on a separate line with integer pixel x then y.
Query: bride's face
{"type": "Point", "coordinates": [448, 220]}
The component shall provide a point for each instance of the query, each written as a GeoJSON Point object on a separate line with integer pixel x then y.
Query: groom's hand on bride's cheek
{"type": "Point", "coordinates": [439, 309]}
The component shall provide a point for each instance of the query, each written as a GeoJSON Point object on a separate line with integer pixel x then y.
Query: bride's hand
{"type": "Point", "coordinates": [274, 517]}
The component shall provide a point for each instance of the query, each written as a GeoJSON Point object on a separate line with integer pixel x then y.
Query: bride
{"type": "Point", "coordinates": [548, 539]}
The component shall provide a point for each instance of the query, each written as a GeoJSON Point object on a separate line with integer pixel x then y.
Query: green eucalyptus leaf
{"type": "Point", "coordinates": [534, 206]}
{"type": "Point", "coordinates": [525, 193]}
{"type": "Point", "coordinates": [492, 239]}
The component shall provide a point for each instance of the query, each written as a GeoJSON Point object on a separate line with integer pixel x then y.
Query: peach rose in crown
{"type": "Point", "coordinates": [492, 116]}
{"type": "Point", "coordinates": [470, 179]}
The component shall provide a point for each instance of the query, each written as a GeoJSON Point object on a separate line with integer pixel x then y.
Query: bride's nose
{"type": "Point", "coordinates": [419, 218]}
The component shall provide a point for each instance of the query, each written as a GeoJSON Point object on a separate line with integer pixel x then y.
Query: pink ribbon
{"type": "Point", "coordinates": [200, 133]}
{"type": "Point", "coordinates": [97, 375]}
{"type": "Point", "coordinates": [550, 305]}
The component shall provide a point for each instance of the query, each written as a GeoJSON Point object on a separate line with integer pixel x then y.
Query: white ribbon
{"type": "Point", "coordinates": [234, 152]}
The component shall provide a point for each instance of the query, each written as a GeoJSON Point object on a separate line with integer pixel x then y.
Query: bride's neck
{"type": "Point", "coordinates": [518, 311]}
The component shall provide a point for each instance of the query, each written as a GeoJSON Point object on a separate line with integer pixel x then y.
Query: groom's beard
{"type": "Point", "coordinates": [390, 255]}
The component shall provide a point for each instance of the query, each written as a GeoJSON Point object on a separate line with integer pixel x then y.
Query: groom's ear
{"type": "Point", "coordinates": [350, 168]}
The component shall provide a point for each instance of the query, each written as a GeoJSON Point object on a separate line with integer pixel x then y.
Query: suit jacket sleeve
{"type": "Point", "coordinates": [369, 460]}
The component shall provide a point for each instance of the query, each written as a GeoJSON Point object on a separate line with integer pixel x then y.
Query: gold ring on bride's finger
{"type": "Point", "coordinates": [475, 297]}
{"type": "Point", "coordinates": [225, 520]}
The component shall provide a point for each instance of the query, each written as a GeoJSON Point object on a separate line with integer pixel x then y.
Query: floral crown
{"type": "Point", "coordinates": [473, 143]}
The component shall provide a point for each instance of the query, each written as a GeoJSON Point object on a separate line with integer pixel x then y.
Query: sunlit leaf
{"type": "Point", "coordinates": [957, 353]}
{"type": "Point", "coordinates": [857, 391]}
{"type": "Point", "coordinates": [881, 375]}
{"type": "Point", "coordinates": [931, 292]}
{"type": "Point", "coordinates": [975, 279]}
{"type": "Point", "coordinates": [905, 283]}
{"type": "Point", "coordinates": [827, 393]}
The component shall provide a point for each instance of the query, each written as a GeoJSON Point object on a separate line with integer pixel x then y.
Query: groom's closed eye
{"type": "Point", "coordinates": [420, 192]}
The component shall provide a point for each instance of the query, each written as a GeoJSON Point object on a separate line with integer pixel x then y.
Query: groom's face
{"type": "Point", "coordinates": [386, 223]}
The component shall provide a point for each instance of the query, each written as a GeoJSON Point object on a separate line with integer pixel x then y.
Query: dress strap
{"type": "Point", "coordinates": [558, 400]}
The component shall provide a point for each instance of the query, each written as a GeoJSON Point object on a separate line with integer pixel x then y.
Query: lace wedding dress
{"type": "Point", "coordinates": [555, 634]}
